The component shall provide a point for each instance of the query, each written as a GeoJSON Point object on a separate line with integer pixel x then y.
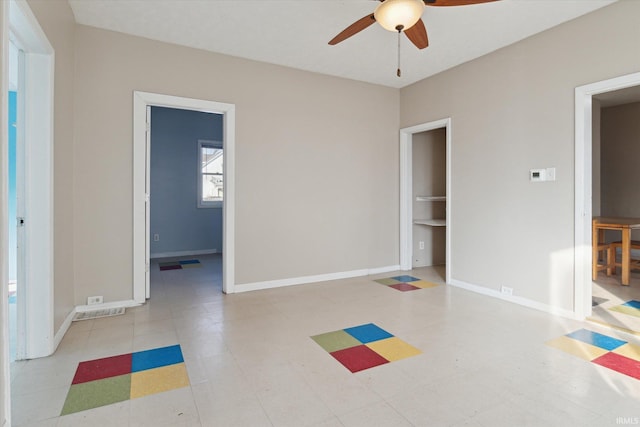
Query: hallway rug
{"type": "Point", "coordinates": [114, 379]}
{"type": "Point", "coordinates": [179, 265]}
{"type": "Point", "coordinates": [365, 346]}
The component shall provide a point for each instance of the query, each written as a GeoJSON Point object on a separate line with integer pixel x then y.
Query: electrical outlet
{"type": "Point", "coordinates": [506, 290]}
{"type": "Point", "coordinates": [156, 237]}
{"type": "Point", "coordinates": [95, 300]}
{"type": "Point", "coordinates": [421, 246]}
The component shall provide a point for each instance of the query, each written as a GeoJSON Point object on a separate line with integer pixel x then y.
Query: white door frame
{"type": "Point", "coordinates": [406, 191]}
{"type": "Point", "coordinates": [141, 173]}
{"type": "Point", "coordinates": [35, 293]}
{"type": "Point", "coordinates": [583, 190]}
{"type": "Point", "coordinates": [19, 21]}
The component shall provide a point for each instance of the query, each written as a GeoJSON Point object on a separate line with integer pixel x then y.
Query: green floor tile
{"type": "Point", "coordinates": [334, 341]}
{"type": "Point", "coordinates": [97, 393]}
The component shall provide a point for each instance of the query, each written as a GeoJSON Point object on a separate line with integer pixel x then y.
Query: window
{"type": "Point", "coordinates": [210, 174]}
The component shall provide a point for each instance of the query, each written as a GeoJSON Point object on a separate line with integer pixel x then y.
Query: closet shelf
{"type": "Point", "coordinates": [431, 222]}
{"type": "Point", "coordinates": [431, 198]}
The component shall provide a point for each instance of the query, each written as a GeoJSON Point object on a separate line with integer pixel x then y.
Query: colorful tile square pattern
{"type": "Point", "coordinates": [405, 283]}
{"type": "Point", "coordinates": [127, 376]}
{"type": "Point", "coordinates": [613, 353]}
{"type": "Point", "coordinates": [631, 308]}
{"type": "Point", "coordinates": [179, 265]}
{"type": "Point", "coordinates": [365, 346]}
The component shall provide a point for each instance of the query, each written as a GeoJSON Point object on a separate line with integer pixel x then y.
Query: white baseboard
{"type": "Point", "coordinates": [82, 308]}
{"type": "Point", "coordinates": [269, 284]}
{"type": "Point", "coordinates": [381, 270]}
{"type": "Point", "coordinates": [184, 253]}
{"type": "Point", "coordinates": [515, 299]}
{"type": "Point", "coordinates": [106, 305]}
{"type": "Point", "coordinates": [57, 339]}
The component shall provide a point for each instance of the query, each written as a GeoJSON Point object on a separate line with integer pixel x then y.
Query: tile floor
{"type": "Point", "coordinates": [405, 283]}
{"type": "Point", "coordinates": [114, 379]}
{"type": "Point", "coordinates": [250, 360]}
{"type": "Point", "coordinates": [364, 347]}
{"type": "Point", "coordinates": [604, 350]}
{"type": "Point", "coordinates": [613, 295]}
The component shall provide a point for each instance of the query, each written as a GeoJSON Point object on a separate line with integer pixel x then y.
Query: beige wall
{"type": "Point", "coordinates": [620, 156]}
{"type": "Point", "coordinates": [317, 161]}
{"type": "Point", "coordinates": [58, 23]}
{"type": "Point", "coordinates": [511, 111]}
{"type": "Point", "coordinates": [317, 156]}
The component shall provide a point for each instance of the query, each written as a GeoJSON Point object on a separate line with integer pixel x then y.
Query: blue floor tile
{"type": "Point", "coordinates": [368, 333]}
{"type": "Point", "coordinates": [633, 303]}
{"type": "Point", "coordinates": [158, 357]}
{"type": "Point", "coordinates": [594, 338]}
{"type": "Point", "coordinates": [406, 278]}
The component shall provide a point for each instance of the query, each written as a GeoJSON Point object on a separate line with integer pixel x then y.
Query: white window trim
{"type": "Point", "coordinates": [206, 143]}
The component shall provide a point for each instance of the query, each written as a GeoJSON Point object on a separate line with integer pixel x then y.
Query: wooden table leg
{"type": "Point", "coordinates": [626, 255]}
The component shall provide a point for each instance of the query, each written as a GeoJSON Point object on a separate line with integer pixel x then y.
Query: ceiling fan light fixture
{"type": "Point", "coordinates": [398, 15]}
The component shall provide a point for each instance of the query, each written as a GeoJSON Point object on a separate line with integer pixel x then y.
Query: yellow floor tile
{"type": "Point", "coordinates": [577, 348]}
{"type": "Point", "coordinates": [631, 351]}
{"type": "Point", "coordinates": [157, 380]}
{"type": "Point", "coordinates": [393, 349]}
{"type": "Point", "coordinates": [423, 284]}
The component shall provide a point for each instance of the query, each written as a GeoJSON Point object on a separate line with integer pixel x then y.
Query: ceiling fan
{"type": "Point", "coordinates": [401, 16]}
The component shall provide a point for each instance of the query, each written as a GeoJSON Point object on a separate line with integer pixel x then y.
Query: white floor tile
{"type": "Point", "coordinates": [251, 361]}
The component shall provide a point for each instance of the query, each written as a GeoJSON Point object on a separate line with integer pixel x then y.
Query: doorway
{"type": "Point", "coordinates": [16, 196]}
{"type": "Point", "coordinates": [615, 153]}
{"type": "Point", "coordinates": [439, 216]}
{"type": "Point", "coordinates": [30, 61]}
{"type": "Point", "coordinates": [186, 193]}
{"type": "Point", "coordinates": [142, 102]}
{"type": "Point", "coordinates": [584, 173]}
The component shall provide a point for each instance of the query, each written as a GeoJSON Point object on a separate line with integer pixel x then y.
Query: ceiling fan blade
{"type": "Point", "coordinates": [418, 35]}
{"type": "Point", "coordinates": [455, 2]}
{"type": "Point", "coordinates": [354, 28]}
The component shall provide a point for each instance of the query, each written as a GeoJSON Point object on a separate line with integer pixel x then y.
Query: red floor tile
{"type": "Point", "coordinates": [404, 287]}
{"type": "Point", "coordinates": [102, 368]}
{"type": "Point", "coordinates": [359, 358]}
{"type": "Point", "coordinates": [620, 363]}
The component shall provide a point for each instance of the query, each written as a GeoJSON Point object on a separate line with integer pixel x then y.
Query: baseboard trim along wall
{"type": "Point", "coordinates": [514, 299]}
{"type": "Point", "coordinates": [106, 305]}
{"type": "Point", "coordinates": [57, 339]}
{"type": "Point", "coordinates": [184, 253]}
{"type": "Point", "coordinates": [269, 284]}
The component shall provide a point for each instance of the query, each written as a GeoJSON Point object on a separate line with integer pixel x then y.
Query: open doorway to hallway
{"type": "Point", "coordinates": [142, 103]}
{"type": "Point", "coordinates": [186, 170]}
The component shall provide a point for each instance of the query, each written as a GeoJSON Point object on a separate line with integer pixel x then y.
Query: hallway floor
{"type": "Point", "coordinates": [254, 359]}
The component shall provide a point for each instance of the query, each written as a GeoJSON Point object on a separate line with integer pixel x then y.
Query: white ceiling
{"type": "Point", "coordinates": [295, 33]}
